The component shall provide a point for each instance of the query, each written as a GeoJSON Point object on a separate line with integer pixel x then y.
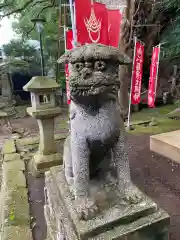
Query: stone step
{"type": "Point", "coordinates": [138, 230]}
{"type": "Point", "coordinates": [17, 233]}
{"type": "Point", "coordinates": [167, 145]}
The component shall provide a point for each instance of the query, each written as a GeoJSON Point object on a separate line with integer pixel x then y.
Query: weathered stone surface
{"type": "Point", "coordinates": [14, 165]}
{"type": "Point", "coordinates": [167, 144]}
{"type": "Point", "coordinates": [35, 140]}
{"type": "Point", "coordinates": [42, 163]}
{"type": "Point", "coordinates": [11, 157]}
{"type": "Point", "coordinates": [17, 233]}
{"type": "Point", "coordinates": [9, 147]}
{"type": "Point", "coordinates": [14, 206]}
{"type": "Point", "coordinates": [47, 142]}
{"type": "Point", "coordinates": [44, 110]}
{"type": "Point", "coordinates": [96, 145]}
{"type": "Point", "coordinates": [47, 161]}
{"type": "Point", "coordinates": [44, 113]}
{"type": "Point", "coordinates": [41, 84]}
{"type": "Point", "coordinates": [151, 227]}
{"type": "Point", "coordinates": [2, 202]}
{"type": "Point", "coordinates": [116, 220]}
{"type": "Point", "coordinates": [14, 178]}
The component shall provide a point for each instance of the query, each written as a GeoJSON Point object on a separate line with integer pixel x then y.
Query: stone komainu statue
{"type": "Point", "coordinates": [96, 145]}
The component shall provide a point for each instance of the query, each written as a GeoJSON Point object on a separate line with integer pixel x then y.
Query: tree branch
{"type": "Point", "coordinates": [17, 10]}
{"type": "Point", "coordinates": [30, 30]}
{"type": "Point", "coordinates": [38, 2]}
{"type": "Point", "coordinates": [46, 7]}
{"type": "Point", "coordinates": [5, 4]}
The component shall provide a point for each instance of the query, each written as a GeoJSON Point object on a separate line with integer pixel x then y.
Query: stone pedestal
{"type": "Point", "coordinates": [167, 145]}
{"type": "Point", "coordinates": [117, 220]}
{"type": "Point", "coordinates": [44, 109]}
{"type": "Point", "coordinates": [46, 131]}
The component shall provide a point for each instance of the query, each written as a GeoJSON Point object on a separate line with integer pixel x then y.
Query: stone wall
{"type": "Point", "coordinates": [14, 206]}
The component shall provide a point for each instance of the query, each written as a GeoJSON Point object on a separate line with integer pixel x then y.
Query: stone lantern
{"type": "Point", "coordinates": [44, 109]}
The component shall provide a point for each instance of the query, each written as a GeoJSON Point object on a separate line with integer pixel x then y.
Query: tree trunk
{"type": "Point", "coordinates": [126, 37]}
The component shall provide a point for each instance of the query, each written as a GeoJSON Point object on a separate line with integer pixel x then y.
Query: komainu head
{"type": "Point", "coordinates": [94, 69]}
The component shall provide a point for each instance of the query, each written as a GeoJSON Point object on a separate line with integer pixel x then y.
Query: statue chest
{"type": "Point", "coordinates": [102, 126]}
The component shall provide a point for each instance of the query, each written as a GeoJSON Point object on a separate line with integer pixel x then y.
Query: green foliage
{"type": "Point", "coordinates": [25, 10]}
{"type": "Point", "coordinates": [171, 34]}
{"type": "Point", "coordinates": [62, 80]}
{"type": "Point", "coordinates": [22, 50]}
{"type": "Point", "coordinates": [165, 124]}
{"type": "Point", "coordinates": [19, 48]}
{"type": "Point", "coordinates": [15, 66]}
{"type": "Point", "coordinates": [26, 28]}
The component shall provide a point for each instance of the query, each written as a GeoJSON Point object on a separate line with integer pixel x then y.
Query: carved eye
{"type": "Point", "coordinates": [88, 64]}
{"type": "Point", "coordinates": [100, 65]}
{"type": "Point", "coordinates": [78, 66]}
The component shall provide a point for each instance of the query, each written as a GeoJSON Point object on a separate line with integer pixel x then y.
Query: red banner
{"type": "Point", "coordinates": [153, 77]}
{"type": "Point", "coordinates": [137, 73]}
{"type": "Point", "coordinates": [114, 25]}
{"type": "Point", "coordinates": [91, 22]}
{"type": "Point", "coordinates": [69, 45]}
{"type": "Point", "coordinates": [69, 39]}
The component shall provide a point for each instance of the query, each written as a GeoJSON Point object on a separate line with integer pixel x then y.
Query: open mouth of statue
{"type": "Point", "coordinates": [93, 90]}
{"type": "Point", "coordinates": [93, 87]}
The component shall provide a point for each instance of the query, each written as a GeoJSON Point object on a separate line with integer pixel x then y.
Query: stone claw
{"type": "Point", "coordinates": [86, 209]}
{"type": "Point", "coordinates": [132, 195]}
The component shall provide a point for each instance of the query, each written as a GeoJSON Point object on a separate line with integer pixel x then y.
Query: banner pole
{"type": "Point", "coordinates": [65, 40]}
{"type": "Point", "coordinates": [130, 95]}
{"type": "Point", "coordinates": [75, 29]}
{"type": "Point", "coordinates": [157, 71]}
{"type": "Point", "coordinates": [73, 22]}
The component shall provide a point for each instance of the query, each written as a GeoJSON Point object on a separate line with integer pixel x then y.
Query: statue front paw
{"type": "Point", "coordinates": [132, 195]}
{"type": "Point", "coordinates": [86, 208]}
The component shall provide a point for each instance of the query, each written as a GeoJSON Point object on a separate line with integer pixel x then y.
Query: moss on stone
{"type": "Point", "coordinates": [17, 233]}
{"type": "Point", "coordinates": [15, 179]}
{"type": "Point", "coordinates": [164, 125]}
{"type": "Point", "coordinates": [39, 83]}
{"type": "Point", "coordinates": [61, 136]}
{"type": "Point", "coordinates": [35, 140]}
{"type": "Point", "coordinates": [15, 166]}
{"type": "Point", "coordinates": [9, 147]}
{"type": "Point", "coordinates": [11, 157]}
{"type": "Point", "coordinates": [47, 112]}
{"type": "Point", "coordinates": [14, 206]}
{"type": "Point", "coordinates": [17, 207]}
{"type": "Point", "coordinates": [160, 113]}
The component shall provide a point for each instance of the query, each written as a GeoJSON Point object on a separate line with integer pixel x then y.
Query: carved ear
{"type": "Point", "coordinates": [64, 58]}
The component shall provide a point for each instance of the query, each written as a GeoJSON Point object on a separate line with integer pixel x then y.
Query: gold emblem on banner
{"type": "Point", "coordinates": [93, 25]}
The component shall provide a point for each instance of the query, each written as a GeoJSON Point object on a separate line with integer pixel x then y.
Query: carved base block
{"type": "Point", "coordinates": [42, 163]}
{"type": "Point", "coordinates": [116, 220]}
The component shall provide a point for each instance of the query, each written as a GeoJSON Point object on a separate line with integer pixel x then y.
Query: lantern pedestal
{"type": "Point", "coordinates": [44, 110]}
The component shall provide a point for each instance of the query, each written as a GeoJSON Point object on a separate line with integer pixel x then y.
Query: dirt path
{"type": "Point", "coordinates": [158, 177]}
